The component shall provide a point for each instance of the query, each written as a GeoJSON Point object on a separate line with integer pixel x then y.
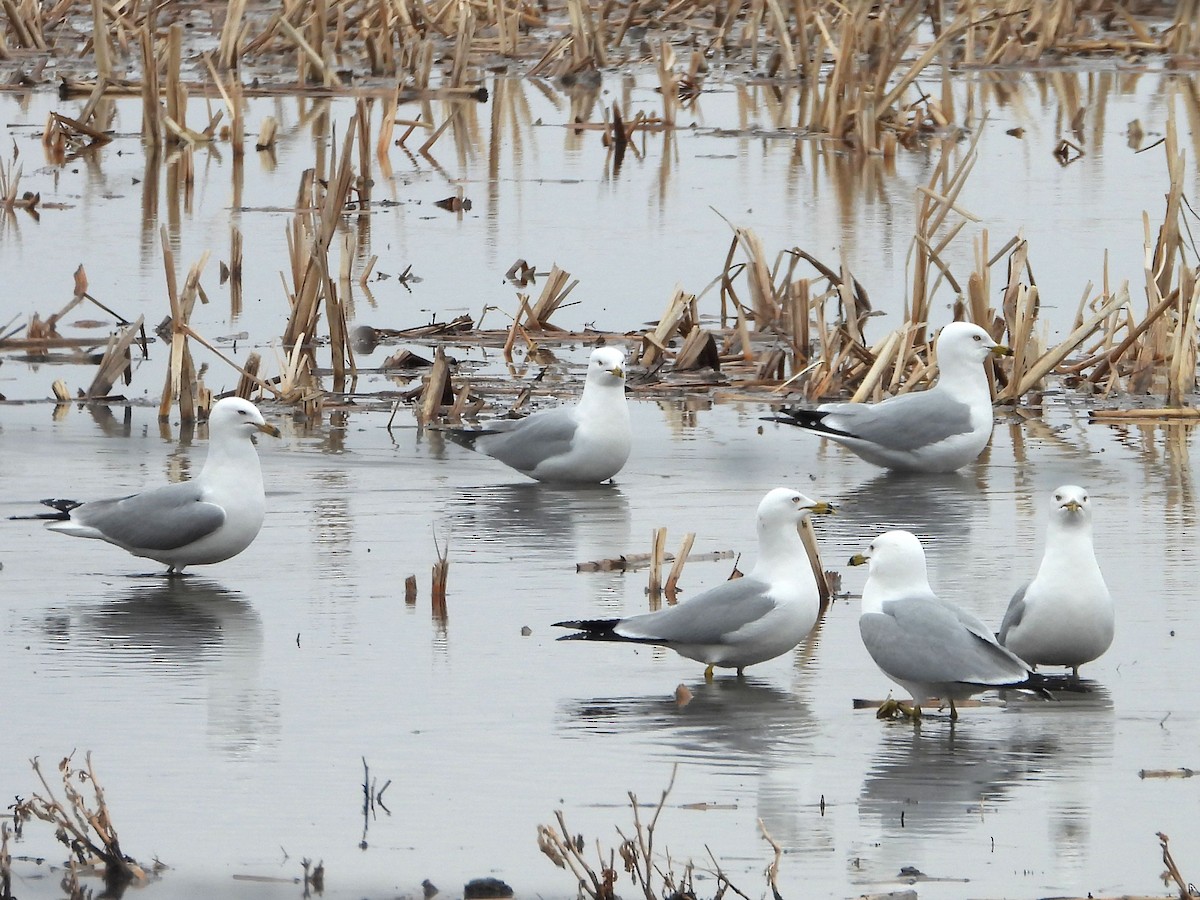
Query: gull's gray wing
{"type": "Point", "coordinates": [1015, 613]}
{"type": "Point", "coordinates": [903, 423]}
{"type": "Point", "coordinates": [160, 519]}
{"type": "Point", "coordinates": [526, 443]}
{"type": "Point", "coordinates": [920, 639]}
{"type": "Point", "coordinates": [708, 618]}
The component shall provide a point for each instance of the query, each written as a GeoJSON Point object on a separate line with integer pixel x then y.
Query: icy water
{"type": "Point", "coordinates": [229, 714]}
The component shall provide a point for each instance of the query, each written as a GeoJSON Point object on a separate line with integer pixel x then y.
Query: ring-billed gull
{"type": "Point", "coordinates": [938, 430]}
{"type": "Point", "coordinates": [585, 443]}
{"type": "Point", "coordinates": [208, 519]}
{"type": "Point", "coordinates": [1065, 616]}
{"type": "Point", "coordinates": [740, 622]}
{"type": "Point", "coordinates": [928, 646]}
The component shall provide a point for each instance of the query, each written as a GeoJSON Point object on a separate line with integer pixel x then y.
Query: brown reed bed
{"type": "Point", "coordinates": [858, 61]}
{"type": "Point", "coordinates": [789, 322]}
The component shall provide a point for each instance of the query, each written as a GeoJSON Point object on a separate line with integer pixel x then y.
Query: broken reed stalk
{"type": "Point", "coordinates": [101, 50]}
{"type": "Point", "coordinates": [654, 343]}
{"type": "Point", "coordinates": [441, 570]}
{"type": "Point", "coordinates": [672, 586]}
{"type": "Point", "coordinates": [437, 386]}
{"type": "Point", "coordinates": [658, 543]}
{"type": "Point", "coordinates": [176, 115]}
{"type": "Point", "coordinates": [235, 272]}
{"type": "Point", "coordinates": [309, 244]}
{"type": "Point", "coordinates": [229, 49]}
{"type": "Point", "coordinates": [116, 362]}
{"type": "Point", "coordinates": [555, 291]}
{"type": "Point", "coordinates": [180, 384]}
{"type": "Point", "coordinates": [152, 129]}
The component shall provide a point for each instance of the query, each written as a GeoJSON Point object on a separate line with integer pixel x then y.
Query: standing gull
{"type": "Point", "coordinates": [190, 523]}
{"type": "Point", "coordinates": [1065, 616]}
{"type": "Point", "coordinates": [585, 443]}
{"type": "Point", "coordinates": [743, 621]}
{"type": "Point", "coordinates": [938, 430]}
{"type": "Point", "coordinates": [931, 648]}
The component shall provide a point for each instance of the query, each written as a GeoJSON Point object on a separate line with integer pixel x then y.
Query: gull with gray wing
{"type": "Point", "coordinates": [937, 430]}
{"type": "Point", "coordinates": [585, 443]}
{"type": "Point", "coordinates": [208, 519]}
{"type": "Point", "coordinates": [1065, 616]}
{"type": "Point", "coordinates": [743, 621]}
{"type": "Point", "coordinates": [930, 647]}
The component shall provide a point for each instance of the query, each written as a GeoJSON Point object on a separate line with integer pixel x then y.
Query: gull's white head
{"type": "Point", "coordinates": [964, 344]}
{"type": "Point", "coordinates": [606, 366]}
{"type": "Point", "coordinates": [783, 506]}
{"type": "Point", "coordinates": [1071, 507]}
{"type": "Point", "coordinates": [235, 416]}
{"type": "Point", "coordinates": [897, 566]}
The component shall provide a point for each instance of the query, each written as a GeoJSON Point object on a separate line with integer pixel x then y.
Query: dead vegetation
{"type": "Point", "coordinates": [84, 827]}
{"type": "Point", "coordinates": [652, 872]}
{"type": "Point", "coordinates": [859, 67]}
{"type": "Point", "coordinates": [789, 322]}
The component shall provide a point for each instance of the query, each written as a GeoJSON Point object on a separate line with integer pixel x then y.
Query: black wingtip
{"type": "Point", "coordinates": [590, 630]}
{"type": "Point", "coordinates": [801, 418]}
{"type": "Point", "coordinates": [63, 510]}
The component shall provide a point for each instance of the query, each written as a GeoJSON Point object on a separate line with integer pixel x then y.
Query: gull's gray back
{"type": "Point", "coordinates": [707, 619]}
{"type": "Point", "coordinates": [525, 443]}
{"type": "Point", "coordinates": [923, 640]}
{"type": "Point", "coordinates": [903, 423]}
{"type": "Point", "coordinates": [164, 518]}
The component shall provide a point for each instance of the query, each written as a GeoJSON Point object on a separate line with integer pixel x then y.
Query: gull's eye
{"type": "Point", "coordinates": [1058, 496]}
{"type": "Point", "coordinates": [978, 338]}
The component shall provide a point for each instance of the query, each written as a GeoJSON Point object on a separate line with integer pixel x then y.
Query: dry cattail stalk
{"type": "Point", "coordinates": [658, 543]}
{"type": "Point", "coordinates": [266, 134]}
{"type": "Point", "coordinates": [554, 292]}
{"type": "Point", "coordinates": [116, 361]}
{"type": "Point", "coordinates": [441, 571]}
{"type": "Point", "coordinates": [654, 342]}
{"type": "Point", "coordinates": [433, 395]}
{"type": "Point", "coordinates": [672, 586]}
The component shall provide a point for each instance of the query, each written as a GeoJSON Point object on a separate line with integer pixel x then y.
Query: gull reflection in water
{"type": "Point", "coordinates": [196, 629]}
{"type": "Point", "coordinates": [743, 728]}
{"type": "Point", "coordinates": [587, 521]}
{"type": "Point", "coordinates": [936, 781]}
{"type": "Point", "coordinates": [939, 506]}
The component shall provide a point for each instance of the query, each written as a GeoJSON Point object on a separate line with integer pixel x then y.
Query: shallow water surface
{"type": "Point", "coordinates": [229, 713]}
